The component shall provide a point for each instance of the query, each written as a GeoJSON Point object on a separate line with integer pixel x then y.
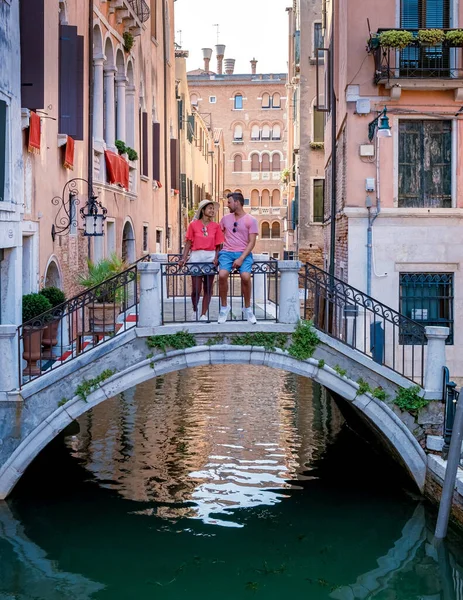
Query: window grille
{"type": "Point", "coordinates": [428, 299]}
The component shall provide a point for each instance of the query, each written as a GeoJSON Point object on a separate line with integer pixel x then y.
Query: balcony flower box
{"type": "Point", "coordinates": [430, 37]}
{"type": "Point", "coordinates": [395, 38]}
{"type": "Point", "coordinates": [454, 38]}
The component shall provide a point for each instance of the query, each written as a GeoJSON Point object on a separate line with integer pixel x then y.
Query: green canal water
{"type": "Point", "coordinates": [219, 483]}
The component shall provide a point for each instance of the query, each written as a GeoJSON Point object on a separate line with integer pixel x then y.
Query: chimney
{"type": "Point", "coordinates": [229, 66]}
{"type": "Point", "coordinates": [253, 66]}
{"type": "Point", "coordinates": [220, 51]}
{"type": "Point", "coordinates": [207, 53]}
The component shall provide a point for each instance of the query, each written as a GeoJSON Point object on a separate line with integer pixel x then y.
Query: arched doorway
{"type": "Point", "coordinates": [128, 244]}
{"type": "Point", "coordinates": [52, 275]}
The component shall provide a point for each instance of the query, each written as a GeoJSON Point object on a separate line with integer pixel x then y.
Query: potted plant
{"type": "Point", "coordinates": [33, 306]}
{"type": "Point", "coordinates": [131, 153]}
{"type": "Point", "coordinates": [121, 147]}
{"type": "Point", "coordinates": [102, 312]}
{"type": "Point", "coordinates": [285, 175]}
{"type": "Point", "coordinates": [56, 297]}
{"type": "Point", "coordinates": [395, 38]}
{"type": "Point", "coordinates": [454, 38]}
{"type": "Point", "coordinates": [430, 37]}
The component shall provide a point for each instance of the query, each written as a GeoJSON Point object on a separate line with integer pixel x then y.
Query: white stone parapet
{"type": "Point", "coordinates": [288, 302]}
{"type": "Point", "coordinates": [435, 361]}
{"type": "Point", "coordinates": [149, 310]}
{"type": "Point", "coordinates": [9, 354]}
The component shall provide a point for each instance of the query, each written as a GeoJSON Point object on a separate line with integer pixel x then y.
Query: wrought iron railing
{"type": "Point", "coordinates": [182, 283]}
{"type": "Point", "coordinates": [416, 61]}
{"type": "Point", "coordinates": [92, 317]}
{"type": "Point", "coordinates": [141, 9]}
{"type": "Point", "coordinates": [450, 398]}
{"type": "Point", "coordinates": [363, 323]}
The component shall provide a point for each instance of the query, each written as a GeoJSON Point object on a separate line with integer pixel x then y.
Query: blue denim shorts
{"type": "Point", "coordinates": [226, 260]}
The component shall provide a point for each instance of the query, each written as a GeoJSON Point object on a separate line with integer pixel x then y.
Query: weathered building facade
{"type": "Point", "coordinates": [251, 111]}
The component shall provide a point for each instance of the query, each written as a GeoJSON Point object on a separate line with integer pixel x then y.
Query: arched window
{"type": "Point", "coordinates": [238, 133]}
{"type": "Point", "coordinates": [238, 163]}
{"type": "Point", "coordinates": [318, 126]}
{"type": "Point", "coordinates": [266, 162]}
{"type": "Point", "coordinates": [255, 132]}
{"type": "Point", "coordinates": [276, 102]}
{"type": "Point", "coordinates": [265, 231]}
{"type": "Point", "coordinates": [265, 100]}
{"type": "Point", "coordinates": [276, 198]}
{"type": "Point", "coordinates": [238, 102]}
{"type": "Point", "coordinates": [194, 99]}
{"type": "Point", "coordinates": [238, 191]}
{"type": "Point", "coordinates": [276, 164]}
{"type": "Point", "coordinates": [275, 229]}
{"type": "Point", "coordinates": [276, 132]}
{"type": "Point", "coordinates": [265, 132]}
{"type": "Point", "coordinates": [265, 198]}
{"type": "Point", "coordinates": [255, 198]}
{"type": "Point", "coordinates": [255, 162]}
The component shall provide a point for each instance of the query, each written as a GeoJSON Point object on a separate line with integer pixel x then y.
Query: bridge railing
{"type": "Point", "coordinates": [354, 318]}
{"type": "Point", "coordinates": [180, 284]}
{"type": "Point", "coordinates": [92, 317]}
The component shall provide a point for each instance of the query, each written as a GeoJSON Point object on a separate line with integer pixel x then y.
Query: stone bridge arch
{"type": "Point", "coordinates": [47, 407]}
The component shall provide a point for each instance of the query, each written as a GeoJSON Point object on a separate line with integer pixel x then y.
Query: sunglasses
{"type": "Point", "coordinates": [204, 230]}
{"type": "Point", "coordinates": [235, 227]}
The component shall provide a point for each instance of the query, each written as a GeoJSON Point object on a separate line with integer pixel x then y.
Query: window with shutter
{"type": "Point", "coordinates": [265, 198]}
{"type": "Point", "coordinates": [276, 132]}
{"type": "Point", "coordinates": [238, 133]}
{"type": "Point", "coordinates": [265, 100]}
{"type": "Point", "coordinates": [71, 67]}
{"type": "Point", "coordinates": [276, 198]}
{"type": "Point", "coordinates": [174, 175]}
{"type": "Point", "coordinates": [255, 132]}
{"type": "Point", "coordinates": [425, 164]}
{"type": "Point", "coordinates": [156, 128]}
{"type": "Point", "coordinates": [144, 144]}
{"type": "Point", "coordinates": [255, 198]}
{"type": "Point", "coordinates": [255, 163]}
{"type": "Point", "coordinates": [276, 100]}
{"type": "Point", "coordinates": [32, 32]}
{"type": "Point", "coordinates": [318, 126]}
{"type": "Point", "coordinates": [265, 231]}
{"type": "Point", "coordinates": [238, 163]}
{"type": "Point", "coordinates": [318, 199]}
{"type": "Point", "coordinates": [276, 229]}
{"type": "Point", "coordinates": [266, 162]}
{"type": "Point", "coordinates": [276, 163]}
{"type": "Point", "coordinates": [266, 132]}
{"type": "Point", "coordinates": [3, 113]}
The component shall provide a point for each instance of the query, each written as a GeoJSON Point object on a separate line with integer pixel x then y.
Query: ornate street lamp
{"type": "Point", "coordinates": [93, 212]}
{"type": "Point", "coordinates": [382, 123]}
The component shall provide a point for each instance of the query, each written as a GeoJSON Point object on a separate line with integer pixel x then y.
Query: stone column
{"type": "Point", "coordinates": [98, 92]}
{"type": "Point", "coordinates": [130, 115]}
{"type": "Point", "coordinates": [149, 309]}
{"type": "Point", "coordinates": [435, 360]}
{"type": "Point", "coordinates": [121, 81]}
{"type": "Point", "coordinates": [288, 302]}
{"type": "Point", "coordinates": [9, 353]}
{"type": "Point", "coordinates": [110, 117]}
{"type": "Point", "coordinates": [259, 280]}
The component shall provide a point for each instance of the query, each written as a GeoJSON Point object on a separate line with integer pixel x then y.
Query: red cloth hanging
{"type": "Point", "coordinates": [69, 154]}
{"type": "Point", "coordinates": [34, 133]}
{"type": "Point", "coordinates": [118, 169]}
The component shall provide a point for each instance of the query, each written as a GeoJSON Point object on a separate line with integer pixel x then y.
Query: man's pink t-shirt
{"type": "Point", "coordinates": [238, 240]}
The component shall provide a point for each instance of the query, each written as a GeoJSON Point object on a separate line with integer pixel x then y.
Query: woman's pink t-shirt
{"type": "Point", "coordinates": [238, 240]}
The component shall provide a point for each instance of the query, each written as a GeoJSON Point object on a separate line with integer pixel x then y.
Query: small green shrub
{"type": "Point", "coordinates": [63, 401]}
{"type": "Point", "coordinates": [131, 153]}
{"type": "Point", "coordinates": [430, 37]}
{"type": "Point", "coordinates": [34, 305]}
{"type": "Point", "coordinates": [395, 39]}
{"type": "Point", "coordinates": [128, 41]}
{"type": "Point", "coordinates": [321, 363]}
{"type": "Point", "coordinates": [340, 371]}
{"type": "Point", "coordinates": [364, 387]}
{"type": "Point", "coordinates": [409, 399]}
{"type": "Point", "coordinates": [304, 341]}
{"type": "Point", "coordinates": [269, 341]}
{"type": "Point", "coordinates": [89, 385]}
{"type": "Point", "coordinates": [121, 147]}
{"type": "Point", "coordinates": [380, 394]}
{"type": "Point", "coordinates": [215, 339]}
{"type": "Point", "coordinates": [54, 295]}
{"type": "Point", "coordinates": [454, 38]}
{"type": "Point", "coordinates": [175, 341]}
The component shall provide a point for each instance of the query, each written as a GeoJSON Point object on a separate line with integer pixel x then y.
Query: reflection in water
{"type": "Point", "coordinates": [218, 482]}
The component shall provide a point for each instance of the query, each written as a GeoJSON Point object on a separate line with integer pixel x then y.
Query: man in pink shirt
{"type": "Point", "coordinates": [240, 231]}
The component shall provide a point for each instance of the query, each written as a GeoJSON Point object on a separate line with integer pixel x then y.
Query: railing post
{"type": "Point", "coordinates": [435, 361]}
{"type": "Point", "coordinates": [258, 288]}
{"type": "Point", "coordinates": [9, 354]}
{"type": "Point", "coordinates": [149, 309]}
{"type": "Point", "coordinates": [288, 303]}
{"type": "Point", "coordinates": [162, 258]}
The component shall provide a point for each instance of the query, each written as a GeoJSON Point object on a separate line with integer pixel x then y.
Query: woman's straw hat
{"type": "Point", "coordinates": [202, 204]}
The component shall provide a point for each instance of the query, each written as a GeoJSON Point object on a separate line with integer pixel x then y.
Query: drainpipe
{"type": "Point", "coordinates": [90, 111]}
{"type": "Point", "coordinates": [371, 220]}
{"type": "Point", "coordinates": [166, 168]}
{"type": "Point", "coordinates": [333, 150]}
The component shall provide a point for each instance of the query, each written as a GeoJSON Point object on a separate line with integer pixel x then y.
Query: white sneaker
{"type": "Point", "coordinates": [249, 315]}
{"type": "Point", "coordinates": [203, 318]}
{"type": "Point", "coordinates": [192, 316]}
{"type": "Point", "coordinates": [223, 314]}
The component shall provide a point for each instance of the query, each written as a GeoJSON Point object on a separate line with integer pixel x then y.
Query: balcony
{"type": "Point", "coordinates": [418, 67]}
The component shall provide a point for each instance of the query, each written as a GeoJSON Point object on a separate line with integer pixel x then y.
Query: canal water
{"type": "Point", "coordinates": [219, 482]}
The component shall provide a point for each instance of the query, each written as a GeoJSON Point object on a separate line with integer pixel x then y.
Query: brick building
{"type": "Point", "coordinates": [251, 111]}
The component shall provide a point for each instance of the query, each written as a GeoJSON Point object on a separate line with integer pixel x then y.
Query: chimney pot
{"type": "Point", "coordinates": [229, 66]}
{"type": "Point", "coordinates": [207, 53]}
{"type": "Point", "coordinates": [253, 66]}
{"type": "Point", "coordinates": [220, 51]}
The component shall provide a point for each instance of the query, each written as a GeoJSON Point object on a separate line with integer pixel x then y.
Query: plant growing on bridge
{"type": "Point", "coordinates": [409, 399]}
{"type": "Point", "coordinates": [175, 341]}
{"type": "Point", "coordinates": [270, 341]}
{"type": "Point", "coordinates": [340, 371]}
{"type": "Point", "coordinates": [215, 339]}
{"type": "Point", "coordinates": [90, 385]}
{"type": "Point", "coordinates": [321, 363]}
{"type": "Point", "coordinates": [364, 387]}
{"type": "Point", "coordinates": [304, 341]}
{"type": "Point", "coordinates": [379, 393]}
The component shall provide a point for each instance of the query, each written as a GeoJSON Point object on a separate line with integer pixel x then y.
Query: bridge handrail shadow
{"type": "Point", "coordinates": [363, 323]}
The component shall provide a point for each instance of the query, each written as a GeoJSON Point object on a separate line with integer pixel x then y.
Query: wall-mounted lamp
{"type": "Point", "coordinates": [380, 125]}
{"type": "Point", "coordinates": [93, 212]}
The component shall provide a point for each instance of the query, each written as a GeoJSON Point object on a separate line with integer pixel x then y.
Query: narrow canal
{"type": "Point", "coordinates": [219, 482]}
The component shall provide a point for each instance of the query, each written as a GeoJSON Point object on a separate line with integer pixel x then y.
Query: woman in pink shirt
{"type": "Point", "coordinates": [203, 240]}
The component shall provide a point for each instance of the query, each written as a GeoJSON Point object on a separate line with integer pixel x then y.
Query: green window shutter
{"type": "Point", "coordinates": [318, 200]}
{"type": "Point", "coordinates": [2, 149]}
